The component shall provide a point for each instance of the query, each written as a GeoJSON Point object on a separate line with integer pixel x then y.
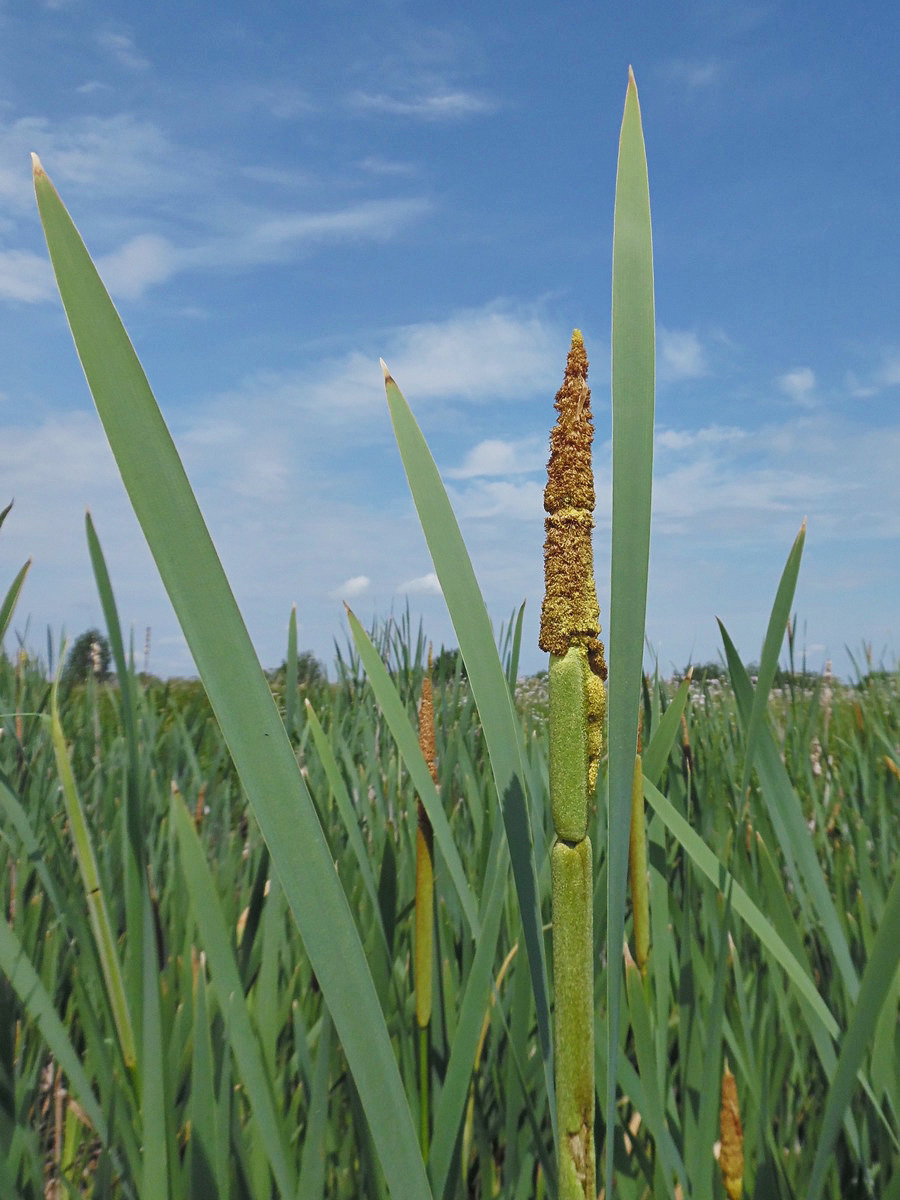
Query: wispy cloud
{"type": "Point", "coordinates": [495, 353]}
{"type": "Point", "coordinates": [681, 355]}
{"type": "Point", "coordinates": [121, 48]}
{"type": "Point", "coordinates": [142, 261]}
{"type": "Point", "coordinates": [694, 73]}
{"type": "Point", "coordinates": [428, 585]}
{"type": "Point", "coordinates": [25, 277]}
{"type": "Point", "coordinates": [356, 585]}
{"type": "Point", "coordinates": [449, 105]}
{"type": "Point", "coordinates": [498, 457]}
{"type": "Point", "coordinates": [799, 384]}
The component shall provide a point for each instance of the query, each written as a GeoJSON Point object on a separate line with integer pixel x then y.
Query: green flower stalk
{"type": "Point", "coordinates": [570, 629]}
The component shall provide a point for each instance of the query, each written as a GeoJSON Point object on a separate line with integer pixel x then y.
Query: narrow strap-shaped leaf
{"type": "Point", "coordinates": [408, 744]}
{"type": "Point", "coordinates": [11, 599]}
{"type": "Point", "coordinates": [312, 1167]}
{"type": "Point", "coordinates": [237, 688]}
{"type": "Point", "coordinates": [656, 754]}
{"type": "Point", "coordinates": [717, 873]}
{"type": "Point", "coordinates": [230, 993]}
{"type": "Point", "coordinates": [26, 983]}
{"type": "Point", "coordinates": [786, 813]}
{"type": "Point", "coordinates": [876, 984]}
{"type": "Point", "coordinates": [633, 386]}
{"type": "Point", "coordinates": [768, 662]}
{"type": "Point", "coordinates": [502, 732]}
{"type": "Point", "coordinates": [98, 910]}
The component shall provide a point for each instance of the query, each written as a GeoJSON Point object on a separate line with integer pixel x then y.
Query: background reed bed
{"type": "Point", "coordinates": [711, 979]}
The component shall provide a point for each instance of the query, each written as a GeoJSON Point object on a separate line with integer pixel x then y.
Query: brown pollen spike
{"type": "Point", "coordinates": [570, 613]}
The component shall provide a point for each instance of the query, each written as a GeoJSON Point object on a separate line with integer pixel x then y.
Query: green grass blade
{"type": "Point", "coordinates": [407, 740]}
{"type": "Point", "coordinates": [154, 1102]}
{"type": "Point", "coordinates": [17, 968]}
{"type": "Point", "coordinates": [502, 732]}
{"type": "Point", "coordinates": [876, 984]}
{"type": "Point", "coordinates": [653, 1113]}
{"type": "Point", "coordinates": [345, 808]}
{"type": "Point", "coordinates": [656, 754]}
{"type": "Point", "coordinates": [633, 384]}
{"type": "Point", "coordinates": [451, 1105]}
{"type": "Point", "coordinates": [133, 843]}
{"type": "Point", "coordinates": [290, 674]}
{"type": "Point", "coordinates": [237, 688]}
{"type": "Point", "coordinates": [11, 599]}
{"type": "Point", "coordinates": [768, 663]}
{"type": "Point", "coordinates": [93, 890]}
{"type": "Point", "coordinates": [786, 813]}
{"type": "Point", "coordinates": [230, 993]}
{"type": "Point", "coordinates": [704, 859]}
{"type": "Point", "coordinates": [312, 1167]}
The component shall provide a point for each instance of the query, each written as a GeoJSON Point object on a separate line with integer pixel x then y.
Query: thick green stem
{"type": "Point", "coordinates": [573, 979]}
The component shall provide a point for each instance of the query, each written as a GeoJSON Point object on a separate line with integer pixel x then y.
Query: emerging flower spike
{"type": "Point", "coordinates": [731, 1154]}
{"type": "Point", "coordinates": [570, 615]}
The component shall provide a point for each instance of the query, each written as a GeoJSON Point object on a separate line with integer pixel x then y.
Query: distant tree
{"type": "Point", "coordinates": [90, 655]}
{"type": "Point", "coordinates": [446, 663]}
{"type": "Point", "coordinates": [310, 671]}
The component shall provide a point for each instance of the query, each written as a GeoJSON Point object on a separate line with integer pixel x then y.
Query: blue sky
{"type": "Point", "coordinates": [277, 196]}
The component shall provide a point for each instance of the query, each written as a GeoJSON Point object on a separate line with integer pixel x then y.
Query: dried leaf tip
{"type": "Point", "coordinates": [388, 378]}
{"type": "Point", "coordinates": [36, 167]}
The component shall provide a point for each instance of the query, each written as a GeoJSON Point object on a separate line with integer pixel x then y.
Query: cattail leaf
{"type": "Point", "coordinates": [786, 814]}
{"type": "Point", "coordinates": [874, 989]}
{"type": "Point", "coordinates": [768, 662]}
{"type": "Point", "coordinates": [407, 741]}
{"type": "Point", "coordinates": [38, 1004]}
{"type": "Point", "coordinates": [11, 599]}
{"type": "Point", "coordinates": [190, 569]}
{"type": "Point", "coordinates": [484, 669]}
{"type": "Point", "coordinates": [633, 387]}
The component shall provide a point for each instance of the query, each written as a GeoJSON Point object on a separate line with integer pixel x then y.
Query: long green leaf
{"type": "Point", "coordinates": [230, 994]}
{"type": "Point", "coordinates": [716, 872]}
{"type": "Point", "coordinates": [237, 688]}
{"type": "Point", "coordinates": [633, 388]}
{"type": "Point", "coordinates": [786, 813]}
{"type": "Point", "coordinates": [502, 732]}
{"type": "Point", "coordinates": [876, 984]}
{"type": "Point", "coordinates": [768, 662]}
{"type": "Point", "coordinates": [93, 890]}
{"type": "Point", "coordinates": [408, 744]}
{"type": "Point", "coordinates": [11, 599]}
{"type": "Point", "coordinates": [25, 982]}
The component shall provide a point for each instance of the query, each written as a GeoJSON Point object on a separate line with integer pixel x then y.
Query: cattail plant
{"type": "Point", "coordinates": [570, 634]}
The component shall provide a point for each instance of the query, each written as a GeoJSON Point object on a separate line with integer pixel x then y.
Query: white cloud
{"type": "Point", "coordinates": [423, 584]}
{"type": "Point", "coordinates": [498, 457]}
{"type": "Point", "coordinates": [357, 585]}
{"type": "Point", "coordinates": [799, 384]}
{"type": "Point", "coordinates": [25, 277]}
{"type": "Point", "coordinates": [144, 260]}
{"type": "Point", "coordinates": [680, 355]}
{"type": "Point", "coordinates": [694, 74]}
{"type": "Point", "coordinates": [443, 105]}
{"type": "Point", "coordinates": [121, 48]}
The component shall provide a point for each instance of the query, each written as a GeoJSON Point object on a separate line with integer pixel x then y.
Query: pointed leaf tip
{"type": "Point", "coordinates": [632, 82]}
{"type": "Point", "coordinates": [387, 375]}
{"type": "Point", "coordinates": [36, 167]}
